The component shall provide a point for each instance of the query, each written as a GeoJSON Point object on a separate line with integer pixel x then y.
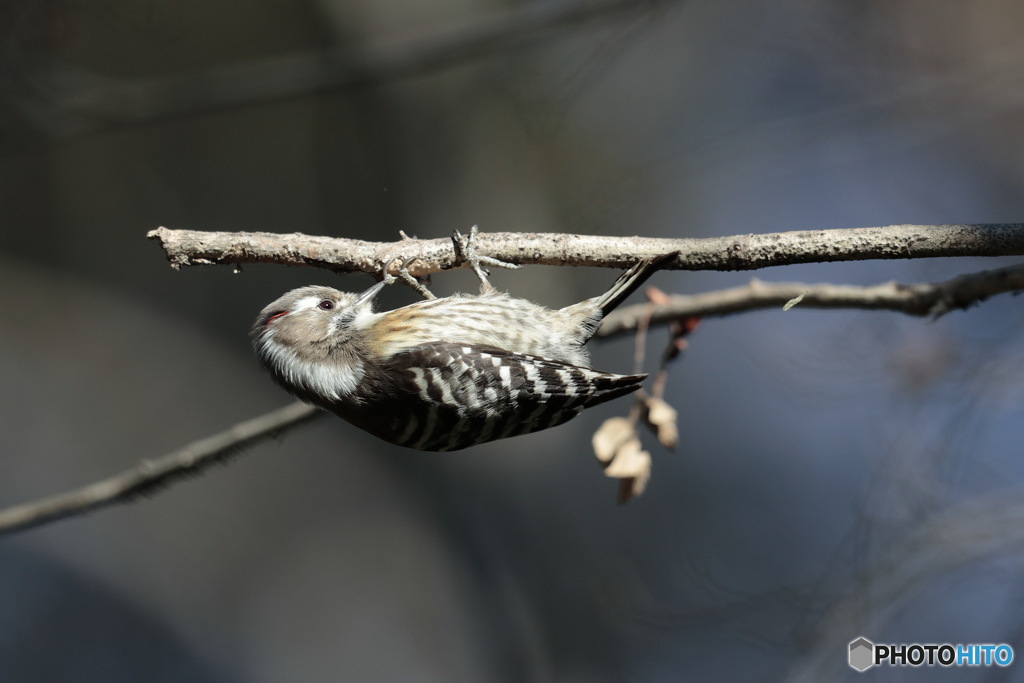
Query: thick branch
{"type": "Point", "coordinates": [152, 474]}
{"type": "Point", "coordinates": [923, 299]}
{"type": "Point", "coordinates": [740, 252]}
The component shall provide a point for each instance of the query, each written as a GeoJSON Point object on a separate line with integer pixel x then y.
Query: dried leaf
{"type": "Point", "coordinates": [617, 445]}
{"type": "Point", "coordinates": [662, 419]}
{"type": "Point", "coordinates": [632, 466]}
{"type": "Point", "coordinates": [610, 436]}
{"type": "Point", "coordinates": [630, 460]}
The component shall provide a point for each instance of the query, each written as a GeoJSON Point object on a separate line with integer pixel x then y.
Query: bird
{"type": "Point", "coordinates": [447, 373]}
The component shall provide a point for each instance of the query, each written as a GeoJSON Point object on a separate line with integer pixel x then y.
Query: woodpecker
{"type": "Point", "coordinates": [442, 374]}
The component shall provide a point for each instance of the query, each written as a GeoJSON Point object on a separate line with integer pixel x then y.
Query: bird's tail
{"type": "Point", "coordinates": [629, 282]}
{"type": "Point", "coordinates": [588, 314]}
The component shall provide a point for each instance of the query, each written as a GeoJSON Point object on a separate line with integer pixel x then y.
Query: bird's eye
{"type": "Point", "coordinates": [326, 305]}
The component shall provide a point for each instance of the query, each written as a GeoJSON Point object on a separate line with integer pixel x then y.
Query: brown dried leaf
{"type": "Point", "coordinates": [610, 436]}
{"type": "Point", "coordinates": [630, 460]}
{"type": "Point", "coordinates": [632, 467]}
{"type": "Point", "coordinates": [662, 419]}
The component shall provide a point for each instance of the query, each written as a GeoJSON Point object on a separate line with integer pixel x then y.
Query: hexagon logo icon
{"type": "Point", "coordinates": [862, 654]}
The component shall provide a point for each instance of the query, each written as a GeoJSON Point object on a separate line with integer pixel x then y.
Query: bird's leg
{"type": "Point", "coordinates": [465, 251]}
{"type": "Point", "coordinates": [408, 278]}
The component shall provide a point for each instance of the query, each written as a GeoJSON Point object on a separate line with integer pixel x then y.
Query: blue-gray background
{"type": "Point", "coordinates": [839, 473]}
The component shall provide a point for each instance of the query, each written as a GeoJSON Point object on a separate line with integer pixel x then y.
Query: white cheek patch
{"type": "Point", "coordinates": [322, 379]}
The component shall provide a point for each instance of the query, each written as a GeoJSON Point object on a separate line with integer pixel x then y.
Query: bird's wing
{"type": "Point", "coordinates": [470, 394]}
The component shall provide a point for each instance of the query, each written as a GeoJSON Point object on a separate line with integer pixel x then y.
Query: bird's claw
{"type": "Point", "coordinates": [465, 251]}
{"type": "Point", "coordinates": [406, 277]}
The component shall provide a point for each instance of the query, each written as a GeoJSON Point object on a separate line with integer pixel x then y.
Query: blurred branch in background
{"type": "Point", "coordinates": [191, 248]}
{"type": "Point", "coordinates": [989, 526]}
{"type": "Point", "coordinates": [76, 102]}
{"type": "Point", "coordinates": [738, 252]}
{"type": "Point", "coordinates": [149, 475]}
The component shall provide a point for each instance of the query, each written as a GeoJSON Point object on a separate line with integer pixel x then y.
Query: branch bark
{"type": "Point", "coordinates": [152, 474]}
{"type": "Point", "coordinates": [738, 252]}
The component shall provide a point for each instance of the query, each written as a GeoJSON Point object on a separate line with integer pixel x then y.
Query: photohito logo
{"type": "Point", "coordinates": [864, 654]}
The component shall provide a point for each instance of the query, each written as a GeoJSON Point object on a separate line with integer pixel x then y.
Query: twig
{"type": "Point", "coordinates": [151, 474]}
{"type": "Point", "coordinates": [739, 252]}
{"type": "Point", "coordinates": [924, 299]}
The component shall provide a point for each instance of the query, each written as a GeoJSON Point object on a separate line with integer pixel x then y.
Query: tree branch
{"type": "Point", "coordinates": [923, 299]}
{"type": "Point", "coordinates": [152, 474]}
{"type": "Point", "coordinates": [739, 252]}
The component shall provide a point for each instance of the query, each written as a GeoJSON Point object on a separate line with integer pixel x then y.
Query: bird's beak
{"type": "Point", "coordinates": [368, 296]}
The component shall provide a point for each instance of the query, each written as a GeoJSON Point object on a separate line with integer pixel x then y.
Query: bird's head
{"type": "Point", "coordinates": [308, 339]}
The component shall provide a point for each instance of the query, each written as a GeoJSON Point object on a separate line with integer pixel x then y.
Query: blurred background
{"type": "Point", "coordinates": [839, 473]}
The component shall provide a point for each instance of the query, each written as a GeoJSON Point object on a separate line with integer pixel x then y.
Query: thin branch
{"type": "Point", "coordinates": [152, 474]}
{"type": "Point", "coordinates": [923, 299]}
{"type": "Point", "coordinates": [85, 102]}
{"type": "Point", "coordinates": [739, 252]}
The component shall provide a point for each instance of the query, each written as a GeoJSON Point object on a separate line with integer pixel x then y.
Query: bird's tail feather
{"type": "Point", "coordinates": [629, 282]}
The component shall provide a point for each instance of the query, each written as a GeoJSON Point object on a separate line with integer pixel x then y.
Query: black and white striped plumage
{"type": "Point", "coordinates": [442, 374]}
